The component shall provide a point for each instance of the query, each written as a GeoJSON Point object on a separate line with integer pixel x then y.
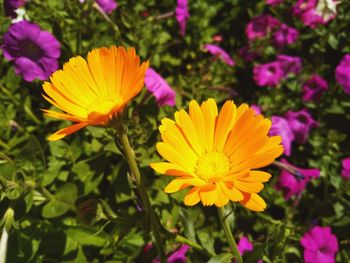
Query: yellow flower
{"type": "Point", "coordinates": [92, 92]}
{"type": "Point", "coordinates": [217, 154]}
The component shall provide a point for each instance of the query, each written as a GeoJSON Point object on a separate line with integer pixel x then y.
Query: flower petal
{"type": "Point", "coordinates": [66, 131]}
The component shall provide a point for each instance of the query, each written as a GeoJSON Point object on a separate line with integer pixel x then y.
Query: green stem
{"type": "Point", "coordinates": [130, 157]}
{"type": "Point", "coordinates": [231, 240]}
{"type": "Point", "coordinates": [106, 17]}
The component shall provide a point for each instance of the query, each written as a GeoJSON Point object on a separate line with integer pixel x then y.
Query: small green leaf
{"type": "Point", "coordinates": [221, 258]}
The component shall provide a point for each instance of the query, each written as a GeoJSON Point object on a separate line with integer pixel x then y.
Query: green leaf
{"type": "Point", "coordinates": [85, 237]}
{"type": "Point", "coordinates": [221, 258]}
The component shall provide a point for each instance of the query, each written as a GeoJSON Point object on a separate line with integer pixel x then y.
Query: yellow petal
{"type": "Point", "coordinates": [66, 131]}
{"type": "Point", "coordinates": [210, 113]}
{"type": "Point", "coordinates": [208, 194]}
{"type": "Point", "coordinates": [170, 169]}
{"type": "Point", "coordinates": [192, 197]}
{"type": "Point", "coordinates": [221, 199]}
{"type": "Point", "coordinates": [197, 118]}
{"type": "Point", "coordinates": [231, 192]}
{"type": "Point", "coordinates": [256, 176]}
{"type": "Point", "coordinates": [181, 183]}
{"type": "Point", "coordinates": [255, 202]}
{"type": "Point", "coordinates": [249, 187]}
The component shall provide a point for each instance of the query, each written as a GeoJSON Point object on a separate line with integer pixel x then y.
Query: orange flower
{"type": "Point", "coordinates": [92, 92]}
{"type": "Point", "coordinates": [217, 153]}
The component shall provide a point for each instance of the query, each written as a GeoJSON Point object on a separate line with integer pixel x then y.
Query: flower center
{"type": "Point", "coordinates": [212, 165]}
{"type": "Point", "coordinates": [30, 50]}
{"type": "Point", "coordinates": [99, 110]}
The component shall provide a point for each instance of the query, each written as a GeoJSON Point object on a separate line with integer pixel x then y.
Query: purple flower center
{"type": "Point", "coordinates": [272, 69]}
{"type": "Point", "coordinates": [303, 119]}
{"type": "Point", "coordinates": [30, 50]}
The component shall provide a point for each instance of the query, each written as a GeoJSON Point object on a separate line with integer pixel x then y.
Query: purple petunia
{"type": "Point", "coordinates": [268, 74]}
{"type": "Point", "coordinates": [220, 53]}
{"type": "Point", "coordinates": [108, 6]}
{"type": "Point", "coordinates": [11, 5]}
{"type": "Point", "coordinates": [261, 26]}
{"type": "Point", "coordinates": [244, 245]}
{"type": "Point", "coordinates": [314, 88]}
{"type": "Point", "coordinates": [34, 52]}
{"type": "Point", "coordinates": [320, 245]}
{"type": "Point", "coordinates": [289, 64]}
{"type": "Point", "coordinates": [301, 122]}
{"type": "Point", "coordinates": [160, 88]}
{"type": "Point", "coordinates": [342, 73]}
{"type": "Point", "coordinates": [273, 2]}
{"type": "Point", "coordinates": [292, 184]}
{"type": "Point", "coordinates": [346, 168]}
{"type": "Point", "coordinates": [280, 127]}
{"type": "Point", "coordinates": [179, 256]}
{"type": "Point", "coordinates": [285, 35]}
{"type": "Point", "coordinates": [182, 15]}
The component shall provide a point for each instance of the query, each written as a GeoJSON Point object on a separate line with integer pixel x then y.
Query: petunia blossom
{"type": "Point", "coordinates": [342, 73]}
{"type": "Point", "coordinates": [261, 26]}
{"type": "Point", "coordinates": [10, 7]}
{"type": "Point", "coordinates": [179, 256]}
{"type": "Point", "coordinates": [285, 35]}
{"type": "Point", "coordinates": [346, 168]}
{"type": "Point", "coordinates": [108, 6]}
{"type": "Point", "coordinates": [160, 88]}
{"type": "Point", "coordinates": [289, 64]}
{"type": "Point", "coordinates": [320, 245]}
{"type": "Point", "coordinates": [219, 52]}
{"type": "Point", "coordinates": [34, 52]}
{"type": "Point", "coordinates": [244, 245]}
{"type": "Point", "coordinates": [269, 74]}
{"type": "Point", "coordinates": [280, 126]}
{"type": "Point", "coordinates": [301, 122]}
{"type": "Point", "coordinates": [182, 15]}
{"type": "Point", "coordinates": [294, 184]}
{"type": "Point", "coordinates": [314, 88]}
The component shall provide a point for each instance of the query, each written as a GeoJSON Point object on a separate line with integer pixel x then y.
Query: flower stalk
{"type": "Point", "coordinates": [231, 240]}
{"type": "Point", "coordinates": [130, 157]}
{"type": "Point", "coordinates": [7, 223]}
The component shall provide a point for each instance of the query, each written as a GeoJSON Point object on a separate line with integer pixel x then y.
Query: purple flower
{"type": "Point", "coordinates": [346, 168]}
{"type": "Point", "coordinates": [34, 52]}
{"type": "Point", "coordinates": [219, 52]}
{"type": "Point", "coordinates": [247, 54]}
{"type": "Point", "coordinates": [280, 126]}
{"type": "Point", "coordinates": [314, 88]}
{"type": "Point", "coordinates": [320, 245]}
{"type": "Point", "coordinates": [260, 26]}
{"type": "Point", "coordinates": [108, 6]}
{"type": "Point", "coordinates": [160, 88]}
{"type": "Point", "coordinates": [342, 73]}
{"type": "Point", "coordinates": [285, 35]}
{"type": "Point", "coordinates": [292, 184]}
{"type": "Point", "coordinates": [269, 74]}
{"type": "Point", "coordinates": [179, 256]}
{"type": "Point", "coordinates": [11, 5]}
{"type": "Point", "coordinates": [244, 245]}
{"type": "Point", "coordinates": [289, 64]}
{"type": "Point", "coordinates": [273, 2]}
{"type": "Point", "coordinates": [182, 15]}
{"type": "Point", "coordinates": [301, 123]}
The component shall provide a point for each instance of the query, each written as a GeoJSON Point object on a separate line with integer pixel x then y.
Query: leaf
{"type": "Point", "coordinates": [85, 237]}
{"type": "Point", "coordinates": [63, 200]}
{"type": "Point", "coordinates": [187, 224]}
{"type": "Point", "coordinates": [221, 258]}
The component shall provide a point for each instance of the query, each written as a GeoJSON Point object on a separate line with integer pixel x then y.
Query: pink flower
{"type": "Point", "coordinates": [260, 26]}
{"type": "Point", "coordinates": [346, 168]}
{"type": "Point", "coordinates": [179, 256]}
{"type": "Point", "coordinates": [182, 15]}
{"type": "Point", "coordinates": [244, 245]}
{"type": "Point", "coordinates": [301, 122]}
{"type": "Point", "coordinates": [108, 6]}
{"type": "Point", "coordinates": [160, 88]}
{"type": "Point", "coordinates": [292, 184]}
{"type": "Point", "coordinates": [269, 74]}
{"type": "Point", "coordinates": [314, 88]}
{"type": "Point", "coordinates": [217, 38]}
{"type": "Point", "coordinates": [280, 126]}
{"type": "Point", "coordinates": [342, 73]}
{"type": "Point", "coordinates": [289, 64]}
{"type": "Point", "coordinates": [285, 35]}
{"type": "Point", "coordinates": [256, 108]}
{"type": "Point", "coordinates": [320, 245]}
{"type": "Point", "coordinates": [273, 2]}
{"type": "Point", "coordinates": [219, 52]}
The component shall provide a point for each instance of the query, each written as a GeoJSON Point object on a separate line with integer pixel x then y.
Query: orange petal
{"type": "Point", "coordinates": [66, 131]}
{"type": "Point", "coordinates": [249, 187]}
{"type": "Point", "coordinates": [254, 202]}
{"type": "Point", "coordinates": [222, 199]}
{"type": "Point", "coordinates": [231, 192]}
{"type": "Point", "coordinates": [181, 183]}
{"type": "Point", "coordinates": [208, 194]}
{"type": "Point", "coordinates": [192, 197]}
{"type": "Point", "coordinates": [256, 176]}
{"type": "Point", "coordinates": [170, 169]}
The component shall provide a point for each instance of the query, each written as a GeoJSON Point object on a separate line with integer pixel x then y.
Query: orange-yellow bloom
{"type": "Point", "coordinates": [92, 92]}
{"type": "Point", "coordinates": [217, 154]}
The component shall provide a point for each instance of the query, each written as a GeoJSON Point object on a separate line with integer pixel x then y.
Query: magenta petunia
{"type": "Point", "coordinates": [342, 73]}
{"type": "Point", "coordinates": [220, 53]}
{"type": "Point", "coordinates": [182, 15]}
{"type": "Point", "coordinates": [294, 184]}
{"type": "Point", "coordinates": [289, 64]}
{"type": "Point", "coordinates": [280, 127]}
{"type": "Point", "coordinates": [314, 88]}
{"type": "Point", "coordinates": [320, 245]}
{"type": "Point", "coordinates": [261, 26]}
{"type": "Point", "coordinates": [108, 6]}
{"type": "Point", "coordinates": [10, 7]}
{"type": "Point", "coordinates": [247, 54]}
{"type": "Point", "coordinates": [179, 256]}
{"type": "Point", "coordinates": [273, 2]}
{"type": "Point", "coordinates": [244, 245]}
{"type": "Point", "coordinates": [34, 52]}
{"type": "Point", "coordinates": [285, 35]}
{"type": "Point", "coordinates": [160, 88]}
{"type": "Point", "coordinates": [269, 74]}
{"type": "Point", "coordinates": [346, 168]}
{"type": "Point", "coordinates": [301, 122]}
